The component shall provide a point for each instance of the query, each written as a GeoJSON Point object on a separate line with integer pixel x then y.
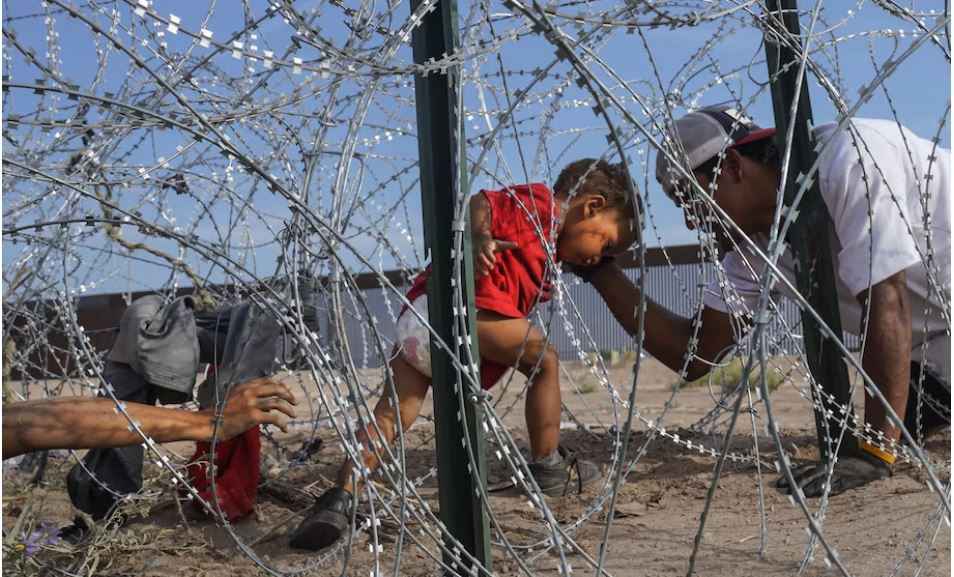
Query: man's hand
{"type": "Point", "coordinates": [485, 250]}
{"type": "Point", "coordinates": [253, 403]}
{"type": "Point", "coordinates": [585, 273]}
{"type": "Point", "coordinates": [850, 471]}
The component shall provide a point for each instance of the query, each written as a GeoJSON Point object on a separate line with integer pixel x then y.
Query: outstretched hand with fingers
{"type": "Point", "coordinates": [256, 402]}
{"type": "Point", "coordinates": [91, 423]}
{"type": "Point", "coordinates": [485, 252]}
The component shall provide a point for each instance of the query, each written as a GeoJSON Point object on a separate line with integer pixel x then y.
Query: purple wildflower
{"type": "Point", "coordinates": [45, 534]}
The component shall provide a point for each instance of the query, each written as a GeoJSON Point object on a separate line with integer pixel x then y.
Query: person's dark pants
{"type": "Point", "coordinates": [118, 470]}
{"type": "Point", "coordinates": [243, 341]}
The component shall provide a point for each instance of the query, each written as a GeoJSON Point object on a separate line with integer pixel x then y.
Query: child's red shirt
{"type": "Point", "coordinates": [523, 214]}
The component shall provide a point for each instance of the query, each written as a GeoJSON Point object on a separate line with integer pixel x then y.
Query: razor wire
{"type": "Point", "coordinates": [259, 151]}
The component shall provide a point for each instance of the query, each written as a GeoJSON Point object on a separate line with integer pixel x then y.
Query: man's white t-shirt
{"type": "Point", "coordinates": [887, 191]}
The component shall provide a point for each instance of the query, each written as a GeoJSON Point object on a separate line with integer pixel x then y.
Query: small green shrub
{"type": "Point", "coordinates": [588, 385]}
{"type": "Point", "coordinates": [727, 377]}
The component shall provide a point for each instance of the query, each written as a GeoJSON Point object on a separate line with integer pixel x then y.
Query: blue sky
{"type": "Point", "coordinates": [859, 38]}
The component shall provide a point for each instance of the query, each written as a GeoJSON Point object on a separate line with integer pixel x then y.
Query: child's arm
{"type": "Point", "coordinates": [483, 244]}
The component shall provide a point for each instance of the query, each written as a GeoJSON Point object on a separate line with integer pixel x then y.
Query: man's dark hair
{"type": "Point", "coordinates": [762, 151]}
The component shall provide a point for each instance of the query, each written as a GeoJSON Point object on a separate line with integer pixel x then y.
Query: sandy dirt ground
{"type": "Point", "coordinates": [874, 529]}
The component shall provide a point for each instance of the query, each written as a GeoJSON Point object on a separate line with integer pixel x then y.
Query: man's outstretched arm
{"type": "Point", "coordinates": [89, 423]}
{"type": "Point", "coordinates": [667, 335]}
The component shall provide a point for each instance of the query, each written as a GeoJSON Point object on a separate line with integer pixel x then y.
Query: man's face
{"type": "Point", "coordinates": [730, 192]}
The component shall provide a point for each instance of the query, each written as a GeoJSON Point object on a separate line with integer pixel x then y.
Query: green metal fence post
{"type": "Point", "coordinates": [808, 235]}
{"type": "Point", "coordinates": [441, 146]}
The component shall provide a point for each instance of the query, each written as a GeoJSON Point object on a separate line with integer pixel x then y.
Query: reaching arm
{"type": "Point", "coordinates": [483, 245]}
{"type": "Point", "coordinates": [667, 335]}
{"type": "Point", "coordinates": [480, 215]}
{"type": "Point", "coordinates": [887, 352]}
{"type": "Point", "coordinates": [88, 423]}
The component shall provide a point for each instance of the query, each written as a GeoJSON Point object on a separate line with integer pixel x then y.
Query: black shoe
{"type": "Point", "coordinates": [852, 470]}
{"type": "Point", "coordinates": [564, 474]}
{"type": "Point", "coordinates": [325, 523]}
{"type": "Point", "coordinates": [76, 532]}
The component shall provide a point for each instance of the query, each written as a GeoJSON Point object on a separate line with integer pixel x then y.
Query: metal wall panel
{"type": "Point", "coordinates": [675, 286]}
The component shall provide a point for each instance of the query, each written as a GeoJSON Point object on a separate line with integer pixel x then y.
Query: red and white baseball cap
{"type": "Point", "coordinates": [700, 136]}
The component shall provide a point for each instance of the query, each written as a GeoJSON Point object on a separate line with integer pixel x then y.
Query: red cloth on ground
{"type": "Point", "coordinates": [237, 473]}
{"type": "Point", "coordinates": [523, 214]}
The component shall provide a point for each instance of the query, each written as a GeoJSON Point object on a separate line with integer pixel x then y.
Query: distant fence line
{"type": "Point", "coordinates": [675, 286]}
{"type": "Point", "coordinates": [674, 276]}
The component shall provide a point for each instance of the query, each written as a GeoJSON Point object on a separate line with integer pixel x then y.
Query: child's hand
{"type": "Point", "coordinates": [485, 252]}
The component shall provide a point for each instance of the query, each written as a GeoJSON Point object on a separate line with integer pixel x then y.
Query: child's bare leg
{"type": "Point", "coordinates": [411, 386]}
{"type": "Point", "coordinates": [517, 342]}
{"type": "Point", "coordinates": [512, 341]}
{"type": "Point", "coordinates": [327, 521]}
{"type": "Point", "coordinates": [543, 407]}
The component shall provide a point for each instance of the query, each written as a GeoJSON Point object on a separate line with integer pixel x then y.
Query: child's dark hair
{"type": "Point", "coordinates": [762, 151]}
{"type": "Point", "coordinates": [593, 176]}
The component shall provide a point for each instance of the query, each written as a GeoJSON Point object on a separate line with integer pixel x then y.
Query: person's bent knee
{"type": "Point", "coordinates": [539, 357]}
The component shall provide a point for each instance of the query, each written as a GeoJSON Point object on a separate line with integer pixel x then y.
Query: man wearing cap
{"type": "Point", "coordinates": [887, 193]}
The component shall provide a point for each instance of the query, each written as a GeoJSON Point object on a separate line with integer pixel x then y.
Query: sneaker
{"type": "Point", "coordinates": [75, 533]}
{"type": "Point", "coordinates": [325, 522]}
{"type": "Point", "coordinates": [562, 473]}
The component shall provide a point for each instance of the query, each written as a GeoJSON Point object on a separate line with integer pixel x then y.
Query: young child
{"type": "Point", "coordinates": [590, 217]}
